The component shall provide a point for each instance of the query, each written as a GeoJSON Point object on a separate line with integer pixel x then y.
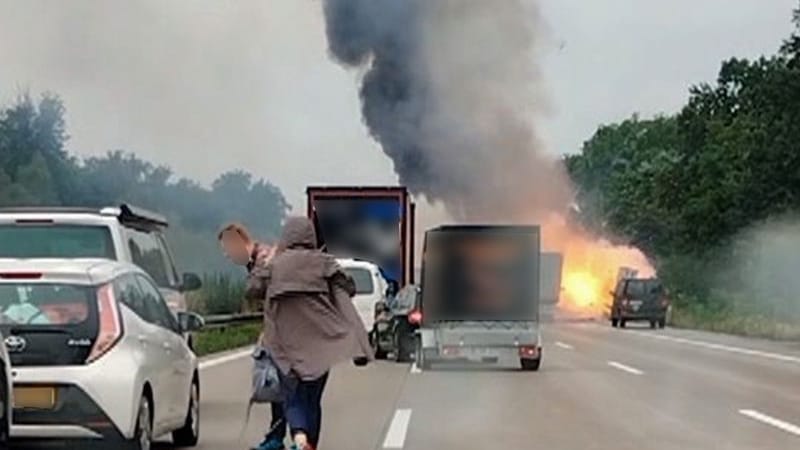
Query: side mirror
{"type": "Point", "coordinates": [191, 282]}
{"type": "Point", "coordinates": [190, 321]}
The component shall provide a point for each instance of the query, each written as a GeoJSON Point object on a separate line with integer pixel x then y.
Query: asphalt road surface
{"type": "Point", "coordinates": [599, 388]}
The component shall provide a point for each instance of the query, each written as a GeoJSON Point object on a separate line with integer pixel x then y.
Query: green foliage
{"type": "Point", "coordinates": [35, 169]}
{"type": "Point", "coordinates": [684, 187]}
{"type": "Point", "coordinates": [217, 340]}
{"type": "Point", "coordinates": [220, 294]}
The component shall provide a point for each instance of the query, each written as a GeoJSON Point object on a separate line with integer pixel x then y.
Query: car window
{"type": "Point", "coordinates": [363, 280]}
{"type": "Point", "coordinates": [636, 288]}
{"type": "Point", "coordinates": [127, 291]}
{"type": "Point", "coordinates": [41, 304]}
{"type": "Point", "coordinates": [156, 306]}
{"type": "Point", "coordinates": [56, 241]}
{"type": "Point", "coordinates": [172, 274]}
{"type": "Point", "coordinates": [147, 253]}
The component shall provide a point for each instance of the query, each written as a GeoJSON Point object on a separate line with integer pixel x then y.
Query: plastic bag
{"type": "Point", "coordinates": [266, 378]}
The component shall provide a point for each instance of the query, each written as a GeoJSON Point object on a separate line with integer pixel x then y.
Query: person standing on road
{"type": "Point", "coordinates": [308, 298]}
{"type": "Point", "coordinates": [241, 249]}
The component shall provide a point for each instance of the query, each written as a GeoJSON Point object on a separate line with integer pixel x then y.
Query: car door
{"type": "Point", "coordinates": [177, 372]}
{"type": "Point", "coordinates": [149, 337]}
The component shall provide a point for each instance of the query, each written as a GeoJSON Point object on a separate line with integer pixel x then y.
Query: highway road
{"type": "Point", "coordinates": [599, 388]}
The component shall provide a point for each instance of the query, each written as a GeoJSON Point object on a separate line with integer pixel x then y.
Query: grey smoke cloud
{"type": "Point", "coordinates": [452, 92]}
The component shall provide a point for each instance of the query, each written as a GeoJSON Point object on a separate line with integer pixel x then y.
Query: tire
{"type": "Point", "coordinates": [5, 420]}
{"type": "Point", "coordinates": [615, 323]}
{"type": "Point", "coordinates": [622, 323]}
{"type": "Point", "coordinates": [531, 365]}
{"type": "Point", "coordinates": [662, 323]}
{"type": "Point", "coordinates": [143, 435]}
{"type": "Point", "coordinates": [404, 343]}
{"type": "Point", "coordinates": [373, 339]}
{"type": "Point", "coordinates": [189, 434]}
{"type": "Point", "coordinates": [653, 324]}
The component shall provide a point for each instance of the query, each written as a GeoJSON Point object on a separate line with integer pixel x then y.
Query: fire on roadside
{"type": "Point", "coordinates": [591, 265]}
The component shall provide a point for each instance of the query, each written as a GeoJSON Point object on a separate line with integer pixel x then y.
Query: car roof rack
{"type": "Point", "coordinates": [125, 213]}
{"type": "Point", "coordinates": [135, 216]}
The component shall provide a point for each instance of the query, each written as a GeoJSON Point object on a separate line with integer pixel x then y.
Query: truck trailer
{"type": "Point", "coordinates": [369, 223]}
{"type": "Point", "coordinates": [480, 296]}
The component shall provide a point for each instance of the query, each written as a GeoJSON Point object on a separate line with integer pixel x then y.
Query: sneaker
{"type": "Point", "coordinates": [269, 444]}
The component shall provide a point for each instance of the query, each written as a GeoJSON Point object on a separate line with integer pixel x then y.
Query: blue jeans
{"type": "Point", "coordinates": [304, 408]}
{"type": "Point", "coordinates": [277, 425]}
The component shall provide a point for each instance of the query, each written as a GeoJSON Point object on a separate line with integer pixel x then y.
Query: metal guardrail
{"type": "Point", "coordinates": [224, 320]}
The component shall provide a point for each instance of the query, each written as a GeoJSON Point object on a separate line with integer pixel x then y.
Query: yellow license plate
{"type": "Point", "coordinates": [34, 397]}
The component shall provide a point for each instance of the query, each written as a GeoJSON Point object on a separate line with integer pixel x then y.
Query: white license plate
{"type": "Point", "coordinates": [636, 305]}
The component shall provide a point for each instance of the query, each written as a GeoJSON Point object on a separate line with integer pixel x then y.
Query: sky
{"type": "Point", "coordinates": [206, 86]}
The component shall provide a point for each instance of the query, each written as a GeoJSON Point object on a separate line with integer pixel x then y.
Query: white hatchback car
{"type": "Point", "coordinates": [370, 288]}
{"type": "Point", "coordinates": [97, 354]}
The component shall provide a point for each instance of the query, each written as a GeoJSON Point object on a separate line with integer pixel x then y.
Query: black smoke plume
{"type": "Point", "coordinates": [451, 93]}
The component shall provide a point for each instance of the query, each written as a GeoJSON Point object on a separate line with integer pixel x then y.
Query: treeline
{"type": "Point", "coordinates": [36, 169]}
{"type": "Point", "coordinates": [684, 187]}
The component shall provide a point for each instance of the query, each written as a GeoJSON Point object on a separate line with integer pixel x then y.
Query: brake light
{"type": "Point", "coordinates": [528, 351]}
{"type": "Point", "coordinates": [110, 323]}
{"type": "Point", "coordinates": [20, 275]}
{"type": "Point", "coordinates": [415, 317]}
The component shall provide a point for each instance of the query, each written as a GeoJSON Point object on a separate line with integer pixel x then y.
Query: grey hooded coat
{"type": "Point", "coordinates": [310, 321]}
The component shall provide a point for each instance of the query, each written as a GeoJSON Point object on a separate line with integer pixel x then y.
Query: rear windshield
{"type": "Point", "coordinates": [643, 288]}
{"type": "Point", "coordinates": [363, 279]}
{"type": "Point", "coordinates": [44, 304]}
{"type": "Point", "coordinates": [56, 241]}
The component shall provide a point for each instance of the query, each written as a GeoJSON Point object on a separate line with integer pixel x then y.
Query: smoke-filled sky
{"type": "Point", "coordinates": [210, 85]}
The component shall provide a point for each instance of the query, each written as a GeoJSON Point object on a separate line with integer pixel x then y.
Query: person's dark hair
{"type": "Point", "coordinates": [237, 228]}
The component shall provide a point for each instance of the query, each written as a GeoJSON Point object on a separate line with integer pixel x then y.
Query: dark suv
{"type": "Point", "coordinates": [396, 324]}
{"type": "Point", "coordinates": [639, 299]}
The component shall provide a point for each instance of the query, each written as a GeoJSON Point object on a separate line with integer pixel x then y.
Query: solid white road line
{"type": "Point", "coordinates": [777, 423]}
{"type": "Point", "coordinates": [564, 346]}
{"type": "Point", "coordinates": [208, 363]}
{"type": "Point", "coordinates": [625, 368]}
{"type": "Point", "coordinates": [721, 347]}
{"type": "Point", "coordinates": [396, 436]}
{"type": "Point", "coordinates": [415, 368]}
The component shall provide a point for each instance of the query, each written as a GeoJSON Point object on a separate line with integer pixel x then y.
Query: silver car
{"type": "Point", "coordinates": [97, 354]}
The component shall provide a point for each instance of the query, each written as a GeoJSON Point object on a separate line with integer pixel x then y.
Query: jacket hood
{"type": "Point", "coordinates": [298, 232]}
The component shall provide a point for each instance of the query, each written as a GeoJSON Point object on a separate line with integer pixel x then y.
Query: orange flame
{"type": "Point", "coordinates": [590, 266]}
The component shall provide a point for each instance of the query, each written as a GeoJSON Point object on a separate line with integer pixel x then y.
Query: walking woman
{"type": "Point", "coordinates": [314, 323]}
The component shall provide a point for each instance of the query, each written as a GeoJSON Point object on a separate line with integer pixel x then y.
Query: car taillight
{"type": "Point", "coordinates": [528, 351]}
{"type": "Point", "coordinates": [110, 323]}
{"type": "Point", "coordinates": [415, 317]}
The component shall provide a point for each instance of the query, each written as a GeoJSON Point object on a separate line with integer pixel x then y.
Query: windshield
{"type": "Point", "coordinates": [363, 280]}
{"type": "Point", "coordinates": [44, 304]}
{"type": "Point", "coordinates": [55, 241]}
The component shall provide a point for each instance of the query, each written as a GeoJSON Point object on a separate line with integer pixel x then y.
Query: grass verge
{"type": "Point", "coordinates": [729, 322]}
{"type": "Point", "coordinates": [217, 340]}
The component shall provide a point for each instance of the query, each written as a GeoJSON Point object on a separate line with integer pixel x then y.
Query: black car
{"type": "Point", "coordinates": [639, 299]}
{"type": "Point", "coordinates": [396, 323]}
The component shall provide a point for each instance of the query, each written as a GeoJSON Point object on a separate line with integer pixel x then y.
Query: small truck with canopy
{"type": "Point", "coordinates": [480, 296]}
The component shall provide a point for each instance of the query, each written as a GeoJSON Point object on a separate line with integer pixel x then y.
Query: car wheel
{"type": "Point", "coordinates": [653, 324]}
{"type": "Point", "coordinates": [662, 323]}
{"type": "Point", "coordinates": [531, 365]}
{"type": "Point", "coordinates": [143, 436]}
{"type": "Point", "coordinates": [614, 323]}
{"type": "Point", "coordinates": [376, 349]}
{"type": "Point", "coordinates": [404, 344]}
{"type": "Point", "coordinates": [5, 420]}
{"type": "Point", "coordinates": [622, 323]}
{"type": "Point", "coordinates": [189, 434]}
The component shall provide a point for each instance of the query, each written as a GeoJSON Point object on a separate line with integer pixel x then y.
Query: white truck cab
{"type": "Point", "coordinates": [370, 288]}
